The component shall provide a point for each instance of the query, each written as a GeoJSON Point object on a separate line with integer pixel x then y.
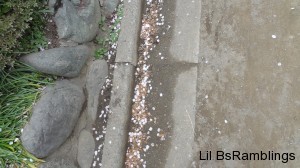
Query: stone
{"type": "Point", "coordinates": [110, 6]}
{"type": "Point", "coordinates": [51, 5]}
{"type": "Point", "coordinates": [78, 22]}
{"type": "Point", "coordinates": [53, 118]}
{"type": "Point", "coordinates": [96, 77]}
{"type": "Point", "coordinates": [64, 61]}
{"type": "Point", "coordinates": [86, 147]}
{"type": "Point", "coordinates": [67, 43]}
{"type": "Point", "coordinates": [76, 2]}
{"type": "Point", "coordinates": [58, 163]}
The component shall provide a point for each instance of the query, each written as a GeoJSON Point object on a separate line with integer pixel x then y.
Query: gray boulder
{"type": "Point", "coordinates": [78, 21]}
{"type": "Point", "coordinates": [53, 118]}
{"type": "Point", "coordinates": [96, 76]}
{"type": "Point", "coordinates": [110, 6]}
{"type": "Point", "coordinates": [51, 5]}
{"type": "Point", "coordinates": [77, 2]}
{"type": "Point", "coordinates": [86, 148]}
{"type": "Point", "coordinates": [64, 61]}
{"type": "Point", "coordinates": [58, 163]}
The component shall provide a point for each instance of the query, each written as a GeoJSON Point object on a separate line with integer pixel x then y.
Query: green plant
{"type": "Point", "coordinates": [21, 29]}
{"type": "Point", "coordinates": [21, 32]}
{"type": "Point", "coordinates": [19, 89]}
{"type": "Point", "coordinates": [113, 34]}
{"type": "Point", "coordinates": [100, 53]}
{"type": "Point", "coordinates": [102, 23]}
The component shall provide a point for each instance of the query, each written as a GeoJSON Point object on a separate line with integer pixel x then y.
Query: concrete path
{"type": "Point", "coordinates": [248, 80]}
{"type": "Point", "coordinates": [225, 77]}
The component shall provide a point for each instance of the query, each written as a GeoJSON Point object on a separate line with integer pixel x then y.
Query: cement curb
{"type": "Point", "coordinates": [117, 127]}
{"type": "Point", "coordinates": [115, 142]}
{"type": "Point", "coordinates": [129, 35]}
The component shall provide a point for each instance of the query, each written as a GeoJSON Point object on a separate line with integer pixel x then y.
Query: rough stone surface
{"type": "Point", "coordinates": [76, 2]}
{"type": "Point", "coordinates": [86, 147]}
{"type": "Point", "coordinates": [110, 6]}
{"type": "Point", "coordinates": [68, 151]}
{"type": "Point", "coordinates": [64, 61]}
{"type": "Point", "coordinates": [120, 105]}
{"type": "Point", "coordinates": [58, 163]}
{"type": "Point", "coordinates": [53, 118]}
{"type": "Point", "coordinates": [78, 22]}
{"type": "Point", "coordinates": [129, 35]}
{"type": "Point", "coordinates": [51, 5]}
{"type": "Point", "coordinates": [96, 77]}
{"type": "Point", "coordinates": [67, 43]}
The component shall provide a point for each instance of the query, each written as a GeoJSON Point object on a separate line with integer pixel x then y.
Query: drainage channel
{"type": "Point", "coordinates": [99, 129]}
{"type": "Point", "coordinates": [141, 111]}
{"type": "Point", "coordinates": [153, 102]}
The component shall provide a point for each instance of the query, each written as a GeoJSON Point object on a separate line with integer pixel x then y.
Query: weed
{"type": "Point", "coordinates": [102, 23]}
{"type": "Point", "coordinates": [113, 34]}
{"type": "Point", "coordinates": [100, 53]}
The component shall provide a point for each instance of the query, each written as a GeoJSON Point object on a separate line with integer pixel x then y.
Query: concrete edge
{"type": "Point", "coordinates": [130, 30]}
{"type": "Point", "coordinates": [116, 137]}
{"type": "Point", "coordinates": [115, 143]}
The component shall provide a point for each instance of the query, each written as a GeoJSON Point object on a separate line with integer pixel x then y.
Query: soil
{"type": "Point", "coordinates": [51, 33]}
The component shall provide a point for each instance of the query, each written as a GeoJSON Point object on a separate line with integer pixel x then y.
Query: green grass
{"type": "Point", "coordinates": [20, 85]}
{"type": "Point", "coordinates": [101, 52]}
{"type": "Point", "coordinates": [19, 89]}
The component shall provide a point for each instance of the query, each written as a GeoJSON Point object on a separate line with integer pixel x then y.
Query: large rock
{"type": "Point", "coordinates": [97, 73]}
{"type": "Point", "coordinates": [86, 148]}
{"type": "Point", "coordinates": [64, 61]}
{"type": "Point", "coordinates": [58, 163]}
{"type": "Point", "coordinates": [78, 21]}
{"type": "Point", "coordinates": [53, 118]}
{"type": "Point", "coordinates": [110, 6]}
{"type": "Point", "coordinates": [51, 5]}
